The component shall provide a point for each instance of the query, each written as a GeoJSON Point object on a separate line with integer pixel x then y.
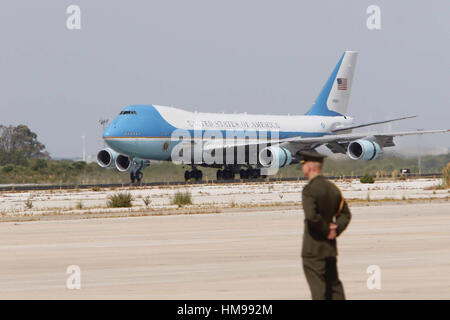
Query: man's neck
{"type": "Point", "coordinates": [313, 175]}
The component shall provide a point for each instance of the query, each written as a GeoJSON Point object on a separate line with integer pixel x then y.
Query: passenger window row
{"type": "Point", "coordinates": [131, 133]}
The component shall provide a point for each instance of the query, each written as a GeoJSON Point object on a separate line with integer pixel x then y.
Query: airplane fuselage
{"type": "Point", "coordinates": [146, 131]}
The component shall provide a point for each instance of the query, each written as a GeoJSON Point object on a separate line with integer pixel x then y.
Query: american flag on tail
{"type": "Point", "coordinates": [342, 83]}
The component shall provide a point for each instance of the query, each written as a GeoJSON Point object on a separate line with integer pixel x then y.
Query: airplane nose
{"type": "Point", "coordinates": [107, 133]}
{"type": "Point", "coordinates": [110, 131]}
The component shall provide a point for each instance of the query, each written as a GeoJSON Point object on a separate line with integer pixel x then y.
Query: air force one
{"type": "Point", "coordinates": [247, 144]}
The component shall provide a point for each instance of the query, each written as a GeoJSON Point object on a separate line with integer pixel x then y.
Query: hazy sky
{"type": "Point", "coordinates": [224, 56]}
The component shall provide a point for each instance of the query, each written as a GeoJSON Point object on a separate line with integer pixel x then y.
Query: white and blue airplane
{"type": "Point", "coordinates": [142, 133]}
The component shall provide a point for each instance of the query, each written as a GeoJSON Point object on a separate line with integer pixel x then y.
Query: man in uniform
{"type": "Point", "coordinates": [326, 217]}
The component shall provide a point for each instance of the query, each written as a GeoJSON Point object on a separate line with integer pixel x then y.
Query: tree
{"type": "Point", "coordinates": [18, 144]}
{"type": "Point", "coordinates": [13, 158]}
{"type": "Point", "coordinates": [39, 164]}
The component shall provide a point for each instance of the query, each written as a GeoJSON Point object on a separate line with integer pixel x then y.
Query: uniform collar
{"type": "Point", "coordinates": [319, 175]}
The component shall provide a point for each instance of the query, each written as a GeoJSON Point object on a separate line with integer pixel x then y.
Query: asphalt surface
{"type": "Point", "coordinates": [240, 255]}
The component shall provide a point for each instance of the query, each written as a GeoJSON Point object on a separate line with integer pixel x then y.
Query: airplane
{"type": "Point", "coordinates": [244, 144]}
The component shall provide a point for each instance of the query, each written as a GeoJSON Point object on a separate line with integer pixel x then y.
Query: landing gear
{"type": "Point", "coordinates": [135, 166]}
{"type": "Point", "coordinates": [136, 176]}
{"type": "Point", "coordinates": [225, 174]}
{"type": "Point", "coordinates": [243, 174]}
{"type": "Point", "coordinates": [139, 176]}
{"type": "Point", "coordinates": [250, 173]}
{"type": "Point", "coordinates": [195, 174]}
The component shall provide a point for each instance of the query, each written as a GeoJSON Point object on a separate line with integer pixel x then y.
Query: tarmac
{"type": "Point", "coordinates": [238, 254]}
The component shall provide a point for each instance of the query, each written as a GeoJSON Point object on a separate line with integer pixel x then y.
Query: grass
{"type": "Point", "coordinates": [29, 204]}
{"type": "Point", "coordinates": [182, 198]}
{"type": "Point", "coordinates": [367, 178]}
{"type": "Point", "coordinates": [79, 205]}
{"type": "Point", "coordinates": [147, 201]}
{"type": "Point", "coordinates": [120, 200]}
{"type": "Point", "coordinates": [213, 208]}
{"type": "Point", "coordinates": [446, 176]}
{"type": "Point", "coordinates": [70, 172]}
{"type": "Point", "coordinates": [394, 174]}
{"type": "Point", "coordinates": [445, 180]}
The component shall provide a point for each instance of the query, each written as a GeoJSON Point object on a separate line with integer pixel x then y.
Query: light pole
{"type": "Point", "coordinates": [419, 160]}
{"type": "Point", "coordinates": [83, 137]}
{"type": "Point", "coordinates": [103, 123]}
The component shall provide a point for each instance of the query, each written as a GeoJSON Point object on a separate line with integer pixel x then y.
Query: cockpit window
{"type": "Point", "coordinates": [128, 112]}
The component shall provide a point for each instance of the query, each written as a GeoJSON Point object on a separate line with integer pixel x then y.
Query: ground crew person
{"type": "Point", "coordinates": [326, 216]}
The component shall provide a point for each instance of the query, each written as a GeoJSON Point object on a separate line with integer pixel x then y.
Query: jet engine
{"type": "Point", "coordinates": [363, 150]}
{"type": "Point", "coordinates": [106, 158]}
{"type": "Point", "coordinates": [125, 163]}
{"type": "Point", "coordinates": [275, 156]}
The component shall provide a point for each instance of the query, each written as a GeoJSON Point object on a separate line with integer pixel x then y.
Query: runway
{"type": "Point", "coordinates": [240, 254]}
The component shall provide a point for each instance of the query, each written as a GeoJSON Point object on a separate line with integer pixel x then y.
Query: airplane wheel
{"type": "Point", "coordinates": [198, 175]}
{"type": "Point", "coordinates": [139, 175]}
{"type": "Point", "coordinates": [132, 177]}
{"type": "Point", "coordinates": [228, 174]}
{"type": "Point", "coordinates": [219, 175]}
{"type": "Point", "coordinates": [243, 174]}
{"type": "Point", "coordinates": [187, 175]}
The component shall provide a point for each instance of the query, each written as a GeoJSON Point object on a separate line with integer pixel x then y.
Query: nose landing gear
{"type": "Point", "coordinates": [136, 176]}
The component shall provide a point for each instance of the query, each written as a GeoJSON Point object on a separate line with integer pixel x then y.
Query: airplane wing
{"type": "Point", "coordinates": [340, 129]}
{"type": "Point", "coordinates": [336, 141]}
{"type": "Point", "coordinates": [354, 136]}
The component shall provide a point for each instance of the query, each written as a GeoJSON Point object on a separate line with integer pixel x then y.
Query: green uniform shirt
{"type": "Point", "coordinates": [321, 200]}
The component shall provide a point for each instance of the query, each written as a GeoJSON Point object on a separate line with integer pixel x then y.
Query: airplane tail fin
{"type": "Point", "coordinates": [333, 99]}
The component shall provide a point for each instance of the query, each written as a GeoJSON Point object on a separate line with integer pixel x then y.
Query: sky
{"type": "Point", "coordinates": [252, 56]}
